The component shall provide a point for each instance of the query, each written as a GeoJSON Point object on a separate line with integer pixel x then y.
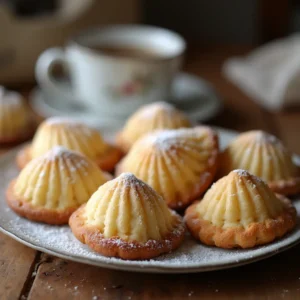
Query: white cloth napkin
{"type": "Point", "coordinates": [270, 74]}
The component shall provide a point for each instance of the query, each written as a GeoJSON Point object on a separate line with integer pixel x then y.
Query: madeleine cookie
{"type": "Point", "coordinates": [126, 218]}
{"type": "Point", "coordinates": [51, 187]}
{"type": "Point", "coordinates": [158, 115]}
{"type": "Point", "coordinates": [265, 156]}
{"type": "Point", "coordinates": [16, 123]}
{"type": "Point", "coordinates": [240, 211]}
{"type": "Point", "coordinates": [74, 136]}
{"type": "Point", "coordinates": [179, 164]}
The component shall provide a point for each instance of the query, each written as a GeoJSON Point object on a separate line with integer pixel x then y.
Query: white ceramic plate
{"type": "Point", "coordinates": [190, 257]}
{"type": "Point", "coordinates": [191, 94]}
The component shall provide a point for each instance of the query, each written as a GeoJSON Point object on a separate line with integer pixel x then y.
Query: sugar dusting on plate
{"type": "Point", "coordinates": [191, 256]}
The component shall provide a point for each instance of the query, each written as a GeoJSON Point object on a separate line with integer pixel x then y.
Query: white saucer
{"type": "Point", "coordinates": [190, 93]}
{"type": "Point", "coordinates": [191, 257]}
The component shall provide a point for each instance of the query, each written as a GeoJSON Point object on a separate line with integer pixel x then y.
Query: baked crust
{"type": "Point", "coordinates": [196, 189]}
{"type": "Point", "coordinates": [116, 247]}
{"type": "Point", "coordinates": [121, 142]}
{"type": "Point", "coordinates": [106, 162]}
{"type": "Point", "coordinates": [37, 214]}
{"type": "Point", "coordinates": [258, 233]}
{"type": "Point", "coordinates": [110, 158]}
{"type": "Point", "coordinates": [287, 187]}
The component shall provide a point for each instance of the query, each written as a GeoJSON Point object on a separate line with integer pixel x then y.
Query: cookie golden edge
{"type": "Point", "coordinates": [106, 162]}
{"type": "Point", "coordinates": [255, 234]}
{"type": "Point", "coordinates": [287, 187]}
{"type": "Point", "coordinates": [110, 158]}
{"type": "Point", "coordinates": [38, 214]}
{"type": "Point", "coordinates": [205, 179]}
{"type": "Point", "coordinates": [199, 188]}
{"type": "Point", "coordinates": [116, 247]}
{"type": "Point", "coordinates": [121, 142]}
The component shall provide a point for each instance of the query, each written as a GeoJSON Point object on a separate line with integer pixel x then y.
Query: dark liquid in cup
{"type": "Point", "coordinates": [128, 51]}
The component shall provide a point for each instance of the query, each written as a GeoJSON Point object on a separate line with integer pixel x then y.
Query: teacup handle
{"type": "Point", "coordinates": [44, 76]}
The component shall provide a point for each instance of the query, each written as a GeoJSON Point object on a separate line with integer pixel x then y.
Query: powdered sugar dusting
{"type": "Point", "coordinates": [191, 256]}
{"type": "Point", "coordinates": [245, 173]}
{"type": "Point", "coordinates": [129, 180]}
{"type": "Point", "coordinates": [71, 160]}
{"type": "Point", "coordinates": [150, 244]}
{"type": "Point", "coordinates": [61, 151]}
{"type": "Point", "coordinates": [264, 137]}
{"type": "Point", "coordinates": [166, 139]}
{"type": "Point", "coordinates": [58, 151]}
{"type": "Point", "coordinates": [148, 111]}
{"type": "Point", "coordinates": [241, 172]}
{"type": "Point", "coordinates": [71, 123]}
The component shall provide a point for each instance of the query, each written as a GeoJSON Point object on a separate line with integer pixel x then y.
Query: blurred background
{"type": "Point", "coordinates": [30, 26]}
{"type": "Point", "coordinates": [215, 31]}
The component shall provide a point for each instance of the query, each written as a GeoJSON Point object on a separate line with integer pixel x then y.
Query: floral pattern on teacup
{"type": "Point", "coordinates": [138, 85]}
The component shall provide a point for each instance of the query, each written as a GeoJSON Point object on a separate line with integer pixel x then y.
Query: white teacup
{"type": "Point", "coordinates": [109, 80]}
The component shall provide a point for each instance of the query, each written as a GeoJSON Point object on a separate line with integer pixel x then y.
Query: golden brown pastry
{"type": "Point", "coordinates": [126, 218]}
{"type": "Point", "coordinates": [179, 164]}
{"type": "Point", "coordinates": [74, 136]}
{"type": "Point", "coordinates": [158, 115]}
{"type": "Point", "coordinates": [54, 185]}
{"type": "Point", "coordinates": [265, 156]}
{"type": "Point", "coordinates": [16, 121]}
{"type": "Point", "coordinates": [240, 210]}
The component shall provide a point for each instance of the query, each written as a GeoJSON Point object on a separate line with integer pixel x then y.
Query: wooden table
{"type": "Point", "coordinates": [29, 274]}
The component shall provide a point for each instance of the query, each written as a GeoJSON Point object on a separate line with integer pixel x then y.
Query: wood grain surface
{"type": "Point", "coordinates": [16, 266]}
{"type": "Point", "coordinates": [27, 274]}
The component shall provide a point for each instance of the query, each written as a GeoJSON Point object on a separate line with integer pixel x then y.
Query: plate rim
{"type": "Point", "coordinates": [151, 269]}
{"type": "Point", "coordinates": [120, 265]}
